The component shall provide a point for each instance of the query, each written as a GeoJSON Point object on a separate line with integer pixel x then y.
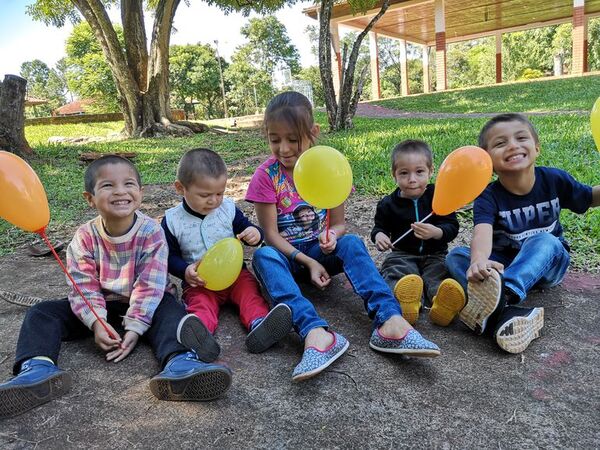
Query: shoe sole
{"type": "Point", "coordinates": [483, 300]}
{"type": "Point", "coordinates": [448, 302]}
{"type": "Point", "coordinates": [204, 386]}
{"type": "Point", "coordinates": [419, 353]}
{"type": "Point", "coordinates": [408, 291]}
{"type": "Point", "coordinates": [15, 400]}
{"type": "Point", "coordinates": [515, 335]}
{"type": "Point", "coordinates": [193, 334]}
{"type": "Point", "coordinates": [275, 326]}
{"type": "Point", "coordinates": [318, 370]}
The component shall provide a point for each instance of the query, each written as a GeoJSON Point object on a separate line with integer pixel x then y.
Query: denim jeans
{"type": "Point", "coordinates": [278, 276]}
{"type": "Point", "coordinates": [542, 261]}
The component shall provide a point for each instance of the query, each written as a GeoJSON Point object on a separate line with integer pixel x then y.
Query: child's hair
{"type": "Point", "coordinates": [91, 173]}
{"type": "Point", "coordinates": [412, 146]}
{"type": "Point", "coordinates": [508, 117]}
{"type": "Point", "coordinates": [200, 162]}
{"type": "Point", "coordinates": [295, 110]}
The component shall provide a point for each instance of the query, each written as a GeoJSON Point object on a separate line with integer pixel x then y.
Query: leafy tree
{"type": "Point", "coordinates": [270, 45]}
{"type": "Point", "coordinates": [594, 44]}
{"type": "Point", "coordinates": [472, 63]}
{"type": "Point", "coordinates": [195, 80]}
{"type": "Point", "coordinates": [312, 75]}
{"type": "Point", "coordinates": [140, 71]}
{"type": "Point", "coordinates": [390, 68]}
{"type": "Point", "coordinates": [43, 83]}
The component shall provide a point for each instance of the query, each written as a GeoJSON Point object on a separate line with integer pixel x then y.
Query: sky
{"type": "Point", "coordinates": [22, 39]}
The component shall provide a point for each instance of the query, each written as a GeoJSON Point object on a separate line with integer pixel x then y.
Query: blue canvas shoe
{"type": "Point", "coordinates": [270, 330]}
{"type": "Point", "coordinates": [37, 383]}
{"type": "Point", "coordinates": [412, 344]}
{"type": "Point", "coordinates": [193, 334]}
{"type": "Point", "coordinates": [186, 378]}
{"type": "Point", "coordinates": [314, 361]}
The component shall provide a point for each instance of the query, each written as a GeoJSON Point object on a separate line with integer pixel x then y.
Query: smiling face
{"type": "Point", "coordinates": [412, 173]}
{"type": "Point", "coordinates": [204, 194]}
{"type": "Point", "coordinates": [512, 147]}
{"type": "Point", "coordinates": [117, 193]}
{"type": "Point", "coordinates": [286, 145]}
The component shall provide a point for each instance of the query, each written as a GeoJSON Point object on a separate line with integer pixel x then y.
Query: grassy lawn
{"type": "Point", "coordinates": [566, 143]}
{"type": "Point", "coordinates": [567, 94]}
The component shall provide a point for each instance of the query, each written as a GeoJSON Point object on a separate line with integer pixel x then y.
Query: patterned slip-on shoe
{"type": "Point", "coordinates": [447, 303]}
{"type": "Point", "coordinates": [485, 298]}
{"type": "Point", "coordinates": [408, 292]}
{"type": "Point", "coordinates": [37, 383]}
{"type": "Point", "coordinates": [518, 327]}
{"type": "Point", "coordinates": [186, 378]}
{"type": "Point", "coordinates": [274, 327]}
{"type": "Point", "coordinates": [314, 361]}
{"type": "Point", "coordinates": [193, 334]}
{"type": "Point", "coordinates": [412, 344]}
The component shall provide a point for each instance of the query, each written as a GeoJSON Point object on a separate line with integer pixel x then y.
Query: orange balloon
{"type": "Point", "coordinates": [23, 199]}
{"type": "Point", "coordinates": [463, 175]}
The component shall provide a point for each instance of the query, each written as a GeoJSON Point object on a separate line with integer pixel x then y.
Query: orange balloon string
{"type": "Point", "coordinates": [42, 233]}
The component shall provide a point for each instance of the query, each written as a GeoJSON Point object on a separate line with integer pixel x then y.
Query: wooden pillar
{"type": "Point", "coordinates": [374, 54]}
{"type": "Point", "coordinates": [440, 46]}
{"type": "Point", "coordinates": [403, 68]}
{"type": "Point", "coordinates": [336, 60]}
{"type": "Point", "coordinates": [498, 57]}
{"type": "Point", "coordinates": [579, 37]}
{"type": "Point", "coordinates": [426, 80]}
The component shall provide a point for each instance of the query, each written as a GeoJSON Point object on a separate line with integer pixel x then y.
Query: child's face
{"type": "Point", "coordinates": [205, 194]}
{"type": "Point", "coordinates": [286, 145]}
{"type": "Point", "coordinates": [412, 173]}
{"type": "Point", "coordinates": [117, 193]}
{"type": "Point", "coordinates": [512, 147]}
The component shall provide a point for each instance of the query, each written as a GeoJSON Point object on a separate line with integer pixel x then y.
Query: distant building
{"type": "Point", "coordinates": [76, 108]}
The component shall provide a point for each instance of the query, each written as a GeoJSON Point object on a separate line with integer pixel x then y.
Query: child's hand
{"type": "Point", "coordinates": [383, 242]}
{"type": "Point", "coordinates": [191, 276]}
{"type": "Point", "coordinates": [250, 236]}
{"type": "Point", "coordinates": [102, 339]}
{"type": "Point", "coordinates": [318, 275]}
{"type": "Point", "coordinates": [426, 231]}
{"type": "Point", "coordinates": [479, 270]}
{"type": "Point", "coordinates": [328, 245]}
{"type": "Point", "coordinates": [129, 341]}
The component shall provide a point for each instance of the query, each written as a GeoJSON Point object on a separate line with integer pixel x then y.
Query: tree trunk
{"type": "Point", "coordinates": [12, 116]}
{"type": "Point", "coordinates": [340, 113]}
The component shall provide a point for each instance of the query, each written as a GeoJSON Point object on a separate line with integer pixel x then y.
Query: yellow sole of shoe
{"type": "Point", "coordinates": [408, 292]}
{"type": "Point", "coordinates": [448, 302]}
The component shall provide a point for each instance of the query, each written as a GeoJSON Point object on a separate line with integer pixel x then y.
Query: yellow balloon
{"type": "Point", "coordinates": [595, 123]}
{"type": "Point", "coordinates": [463, 175]}
{"type": "Point", "coordinates": [23, 199]}
{"type": "Point", "coordinates": [323, 177]}
{"type": "Point", "coordinates": [222, 264]}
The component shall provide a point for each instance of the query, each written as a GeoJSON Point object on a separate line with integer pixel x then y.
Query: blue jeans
{"type": "Point", "coordinates": [278, 276]}
{"type": "Point", "coordinates": [542, 261]}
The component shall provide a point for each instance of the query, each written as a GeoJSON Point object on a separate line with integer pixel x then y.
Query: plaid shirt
{"type": "Point", "coordinates": [131, 269]}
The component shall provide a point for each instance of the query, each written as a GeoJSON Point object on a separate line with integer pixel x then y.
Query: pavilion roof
{"type": "Point", "coordinates": [413, 20]}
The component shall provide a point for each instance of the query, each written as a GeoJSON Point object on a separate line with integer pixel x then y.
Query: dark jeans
{"type": "Point", "coordinates": [431, 268]}
{"type": "Point", "coordinates": [49, 323]}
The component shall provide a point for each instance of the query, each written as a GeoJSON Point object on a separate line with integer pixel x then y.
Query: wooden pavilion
{"type": "Point", "coordinates": [436, 23]}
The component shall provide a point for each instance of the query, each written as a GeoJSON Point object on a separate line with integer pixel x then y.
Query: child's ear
{"type": "Point", "coordinates": [89, 198]}
{"type": "Point", "coordinates": [315, 130]}
{"type": "Point", "coordinates": [178, 187]}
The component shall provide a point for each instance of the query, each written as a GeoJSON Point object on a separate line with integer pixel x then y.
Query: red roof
{"type": "Point", "coordinates": [76, 107]}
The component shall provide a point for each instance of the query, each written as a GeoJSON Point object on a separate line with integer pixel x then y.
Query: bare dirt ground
{"type": "Point", "coordinates": [473, 396]}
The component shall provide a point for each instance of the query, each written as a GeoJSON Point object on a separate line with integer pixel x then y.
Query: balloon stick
{"type": "Point", "coordinates": [327, 226]}
{"type": "Point", "coordinates": [410, 229]}
{"type": "Point", "coordinates": [42, 233]}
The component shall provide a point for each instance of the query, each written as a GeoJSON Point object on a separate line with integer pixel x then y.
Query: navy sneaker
{"type": "Point", "coordinates": [485, 301]}
{"type": "Point", "coordinates": [186, 378]}
{"type": "Point", "coordinates": [517, 327]}
{"type": "Point", "coordinates": [193, 334]}
{"type": "Point", "coordinates": [270, 330]}
{"type": "Point", "coordinates": [37, 383]}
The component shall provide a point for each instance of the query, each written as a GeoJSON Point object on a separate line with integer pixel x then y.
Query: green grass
{"type": "Point", "coordinates": [566, 94]}
{"type": "Point", "coordinates": [565, 140]}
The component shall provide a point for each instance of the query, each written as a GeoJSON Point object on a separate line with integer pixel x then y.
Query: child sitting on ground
{"type": "Point", "coordinates": [119, 261]}
{"type": "Point", "coordinates": [203, 218]}
{"type": "Point", "coordinates": [418, 258]}
{"type": "Point", "coordinates": [291, 130]}
{"type": "Point", "coordinates": [517, 240]}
